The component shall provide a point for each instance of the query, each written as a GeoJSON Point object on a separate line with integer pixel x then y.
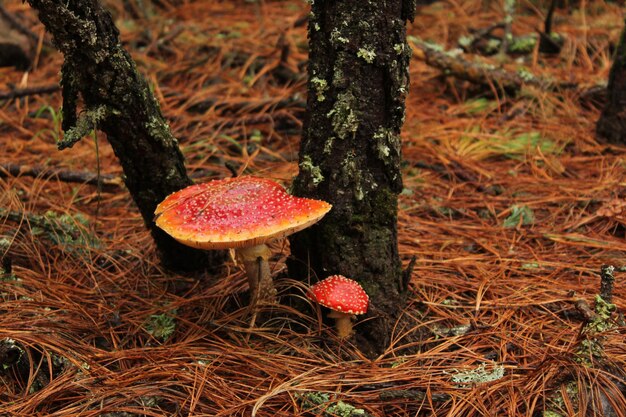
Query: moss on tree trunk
{"type": "Point", "coordinates": [118, 101]}
{"type": "Point", "coordinates": [612, 123]}
{"type": "Point", "coordinates": [350, 150]}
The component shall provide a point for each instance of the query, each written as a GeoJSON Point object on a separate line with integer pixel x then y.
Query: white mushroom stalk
{"type": "Point", "coordinates": [255, 262]}
{"type": "Point", "coordinates": [242, 213]}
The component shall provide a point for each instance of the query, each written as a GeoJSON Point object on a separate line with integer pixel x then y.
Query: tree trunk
{"type": "Point", "coordinates": [350, 151]}
{"type": "Point", "coordinates": [612, 123]}
{"type": "Point", "coordinates": [118, 101]}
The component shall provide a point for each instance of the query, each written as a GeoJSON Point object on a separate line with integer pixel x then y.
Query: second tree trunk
{"type": "Point", "coordinates": [350, 151]}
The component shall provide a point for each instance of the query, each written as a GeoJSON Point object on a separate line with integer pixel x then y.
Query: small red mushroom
{"type": "Point", "coordinates": [344, 296]}
{"type": "Point", "coordinates": [241, 213]}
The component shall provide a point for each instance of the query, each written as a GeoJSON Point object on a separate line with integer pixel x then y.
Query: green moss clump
{"type": "Point", "coordinates": [161, 326]}
{"type": "Point", "coordinates": [556, 403]}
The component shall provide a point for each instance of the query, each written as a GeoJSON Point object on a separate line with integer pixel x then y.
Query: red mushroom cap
{"type": "Point", "coordinates": [235, 213]}
{"type": "Point", "coordinates": [340, 294]}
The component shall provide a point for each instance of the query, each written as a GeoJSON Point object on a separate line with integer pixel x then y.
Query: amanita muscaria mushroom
{"type": "Point", "coordinates": [240, 213]}
{"type": "Point", "coordinates": [344, 296]}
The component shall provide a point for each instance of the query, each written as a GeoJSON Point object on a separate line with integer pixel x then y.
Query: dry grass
{"type": "Point", "coordinates": [81, 309]}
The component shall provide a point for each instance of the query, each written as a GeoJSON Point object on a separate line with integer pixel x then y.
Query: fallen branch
{"type": "Point", "coordinates": [29, 91]}
{"type": "Point", "coordinates": [509, 9]}
{"type": "Point", "coordinates": [69, 231]}
{"type": "Point", "coordinates": [452, 63]}
{"type": "Point", "coordinates": [83, 177]}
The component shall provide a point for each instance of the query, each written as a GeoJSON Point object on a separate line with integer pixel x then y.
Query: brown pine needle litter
{"type": "Point", "coordinates": [510, 206]}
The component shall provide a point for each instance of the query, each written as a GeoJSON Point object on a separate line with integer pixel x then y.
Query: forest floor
{"type": "Point", "coordinates": [511, 206]}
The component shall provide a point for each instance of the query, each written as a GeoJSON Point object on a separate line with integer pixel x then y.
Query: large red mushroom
{"type": "Point", "coordinates": [344, 297]}
{"type": "Point", "coordinates": [241, 213]}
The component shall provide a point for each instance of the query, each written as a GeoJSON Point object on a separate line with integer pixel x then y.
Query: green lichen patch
{"type": "Point", "coordinates": [328, 145]}
{"type": "Point", "coordinates": [478, 375]}
{"type": "Point", "coordinates": [603, 321]}
{"type": "Point", "coordinates": [337, 38]}
{"type": "Point", "coordinates": [525, 74]}
{"type": "Point", "coordinates": [320, 85]}
{"type": "Point", "coordinates": [523, 44]}
{"type": "Point", "coordinates": [72, 232]}
{"type": "Point", "coordinates": [312, 172]}
{"type": "Point", "coordinates": [386, 144]}
{"type": "Point", "coordinates": [343, 115]}
{"type": "Point", "coordinates": [591, 347]}
{"type": "Point", "coordinates": [368, 55]}
{"type": "Point", "coordinates": [318, 401]}
{"type": "Point", "coordinates": [86, 122]}
{"type": "Point", "coordinates": [352, 176]}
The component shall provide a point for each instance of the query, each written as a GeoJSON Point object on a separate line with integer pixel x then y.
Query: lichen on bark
{"type": "Point", "coordinates": [118, 101]}
{"type": "Point", "coordinates": [353, 138]}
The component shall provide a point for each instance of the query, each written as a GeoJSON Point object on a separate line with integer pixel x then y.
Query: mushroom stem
{"type": "Point", "coordinates": [254, 260]}
{"type": "Point", "coordinates": [343, 323]}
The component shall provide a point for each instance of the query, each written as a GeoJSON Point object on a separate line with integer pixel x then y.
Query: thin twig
{"type": "Point", "coordinates": [547, 42]}
{"type": "Point", "coordinates": [509, 9]}
{"type": "Point", "coordinates": [547, 25]}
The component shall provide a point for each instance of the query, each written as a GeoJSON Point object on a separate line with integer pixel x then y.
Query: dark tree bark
{"type": "Point", "coordinates": [350, 151]}
{"type": "Point", "coordinates": [118, 101]}
{"type": "Point", "coordinates": [612, 123]}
